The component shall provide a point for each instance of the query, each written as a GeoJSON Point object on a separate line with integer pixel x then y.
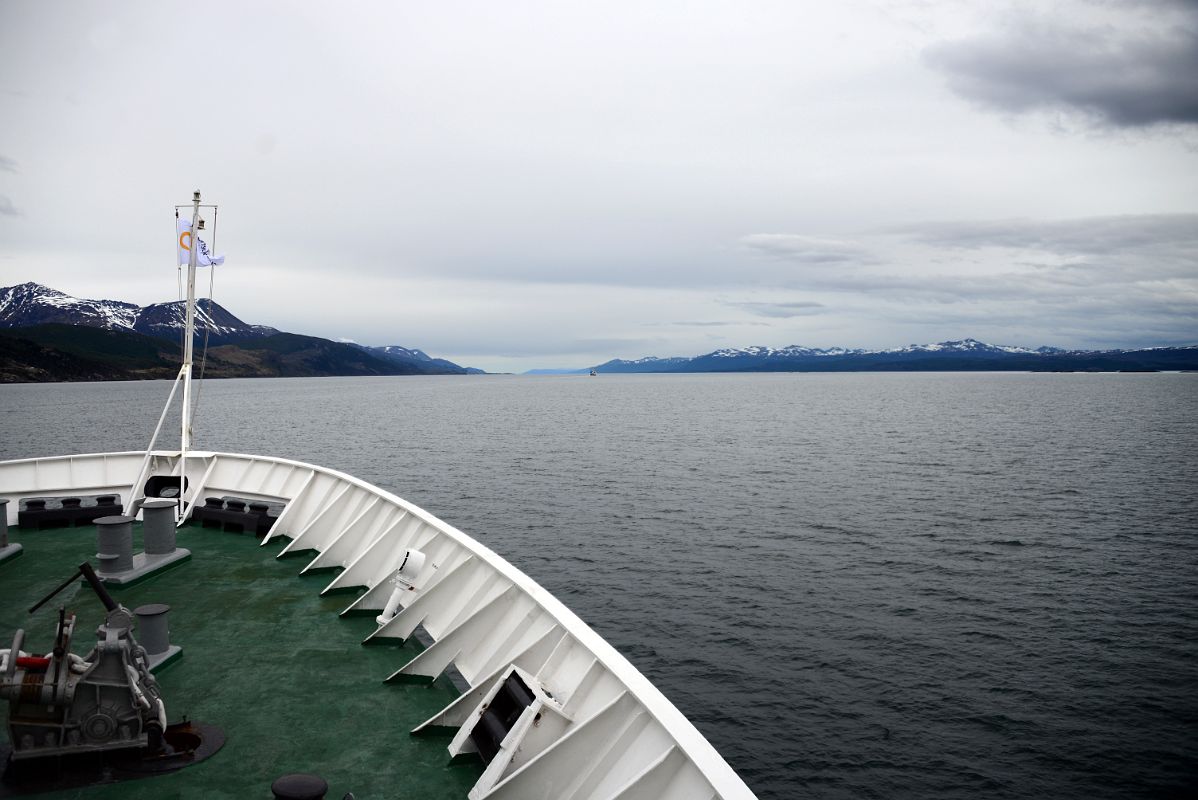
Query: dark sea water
{"type": "Point", "coordinates": [867, 585]}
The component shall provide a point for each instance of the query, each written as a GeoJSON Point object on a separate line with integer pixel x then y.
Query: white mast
{"type": "Point", "coordinates": [136, 491]}
{"type": "Point", "coordinates": [189, 341]}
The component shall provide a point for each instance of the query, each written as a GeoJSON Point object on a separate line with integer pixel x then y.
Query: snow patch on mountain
{"type": "Point", "coordinates": [790, 351]}
{"type": "Point", "coordinates": [33, 304]}
{"type": "Point", "coordinates": [759, 357]}
{"type": "Point", "coordinates": [403, 352]}
{"type": "Point", "coordinates": [961, 346]}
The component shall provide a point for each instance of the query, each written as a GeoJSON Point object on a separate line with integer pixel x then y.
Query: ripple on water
{"type": "Point", "coordinates": [857, 586]}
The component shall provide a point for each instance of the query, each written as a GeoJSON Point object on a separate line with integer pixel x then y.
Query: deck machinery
{"type": "Point", "coordinates": [61, 704]}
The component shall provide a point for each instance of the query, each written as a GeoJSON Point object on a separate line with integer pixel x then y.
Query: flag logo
{"type": "Point", "coordinates": [204, 258]}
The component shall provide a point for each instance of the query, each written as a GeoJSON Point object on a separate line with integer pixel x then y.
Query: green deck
{"type": "Point", "coordinates": [265, 658]}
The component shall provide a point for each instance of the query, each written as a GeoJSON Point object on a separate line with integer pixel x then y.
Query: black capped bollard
{"type": "Point", "coordinates": [153, 628]}
{"type": "Point", "coordinates": [33, 515]}
{"type": "Point", "coordinates": [158, 519]}
{"type": "Point", "coordinates": [299, 786]}
{"type": "Point", "coordinates": [115, 544]}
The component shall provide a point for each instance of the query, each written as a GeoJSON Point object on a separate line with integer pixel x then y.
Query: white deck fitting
{"type": "Point", "coordinates": [604, 730]}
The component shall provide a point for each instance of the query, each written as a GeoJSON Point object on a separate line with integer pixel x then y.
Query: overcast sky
{"type": "Point", "coordinates": [547, 184]}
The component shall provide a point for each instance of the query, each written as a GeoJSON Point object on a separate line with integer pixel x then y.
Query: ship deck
{"type": "Point", "coordinates": [265, 657]}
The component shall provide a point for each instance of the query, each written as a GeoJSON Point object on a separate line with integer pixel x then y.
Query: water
{"type": "Point", "coordinates": [856, 586]}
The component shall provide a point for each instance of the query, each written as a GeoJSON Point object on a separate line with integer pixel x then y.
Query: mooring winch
{"type": "Point", "coordinates": [66, 711]}
{"type": "Point", "coordinates": [62, 704]}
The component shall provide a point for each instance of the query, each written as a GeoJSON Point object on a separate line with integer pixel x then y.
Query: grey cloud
{"type": "Point", "coordinates": [457, 163]}
{"type": "Point", "coordinates": [516, 347]}
{"type": "Point", "coordinates": [808, 249]}
{"type": "Point", "coordinates": [1126, 273]}
{"type": "Point", "coordinates": [1122, 76]}
{"type": "Point", "coordinates": [7, 208]}
{"type": "Point", "coordinates": [704, 324]}
{"type": "Point", "coordinates": [780, 310]}
{"type": "Point", "coordinates": [1087, 235]}
{"type": "Point", "coordinates": [1058, 285]}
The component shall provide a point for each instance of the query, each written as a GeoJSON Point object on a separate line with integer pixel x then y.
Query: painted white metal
{"type": "Point", "coordinates": [464, 711]}
{"type": "Point", "coordinates": [404, 580]}
{"type": "Point", "coordinates": [540, 724]}
{"type": "Point", "coordinates": [359, 570]}
{"type": "Point", "coordinates": [189, 330]}
{"type": "Point", "coordinates": [99, 473]}
{"type": "Point", "coordinates": [197, 493]}
{"type": "Point", "coordinates": [615, 734]}
{"type": "Point", "coordinates": [135, 494]}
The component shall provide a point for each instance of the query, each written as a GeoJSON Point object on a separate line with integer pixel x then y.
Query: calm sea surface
{"type": "Point", "coordinates": [920, 586]}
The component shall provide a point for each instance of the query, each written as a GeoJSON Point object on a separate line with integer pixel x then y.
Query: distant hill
{"type": "Point", "coordinates": [33, 304]}
{"type": "Point", "coordinates": [46, 335]}
{"type": "Point", "coordinates": [68, 353]}
{"type": "Point", "coordinates": [959, 355]}
{"type": "Point", "coordinates": [418, 358]}
{"type": "Point", "coordinates": [289, 355]}
{"type": "Point", "coordinates": [78, 353]}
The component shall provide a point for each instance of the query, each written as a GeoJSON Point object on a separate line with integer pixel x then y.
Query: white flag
{"type": "Point", "coordinates": [184, 239]}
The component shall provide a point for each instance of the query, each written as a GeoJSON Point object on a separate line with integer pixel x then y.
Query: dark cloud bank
{"type": "Point", "coordinates": [1125, 77]}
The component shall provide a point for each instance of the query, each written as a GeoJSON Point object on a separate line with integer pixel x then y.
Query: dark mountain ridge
{"type": "Point", "coordinates": [30, 304]}
{"type": "Point", "coordinates": [962, 355]}
{"type": "Point", "coordinates": [47, 335]}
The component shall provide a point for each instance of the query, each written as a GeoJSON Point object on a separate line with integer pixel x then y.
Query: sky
{"type": "Point", "coordinates": [525, 185]}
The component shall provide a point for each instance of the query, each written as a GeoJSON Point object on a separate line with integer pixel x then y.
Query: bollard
{"type": "Point", "coordinates": [158, 529]}
{"type": "Point", "coordinates": [153, 628]}
{"type": "Point", "coordinates": [115, 544]}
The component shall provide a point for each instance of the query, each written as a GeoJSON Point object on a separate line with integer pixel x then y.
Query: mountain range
{"type": "Point", "coordinates": [963, 354]}
{"type": "Point", "coordinates": [47, 335]}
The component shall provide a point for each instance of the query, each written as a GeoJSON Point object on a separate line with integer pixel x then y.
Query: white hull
{"type": "Point", "coordinates": [597, 727]}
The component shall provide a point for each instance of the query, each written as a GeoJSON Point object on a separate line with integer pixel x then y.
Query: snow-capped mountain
{"type": "Point", "coordinates": [961, 354]}
{"type": "Point", "coordinates": [652, 363]}
{"type": "Point", "coordinates": [420, 359]}
{"type": "Point", "coordinates": [791, 351]}
{"type": "Point", "coordinates": [399, 351]}
{"type": "Point", "coordinates": [167, 320]}
{"type": "Point", "coordinates": [972, 346]}
{"type": "Point", "coordinates": [33, 304]}
{"type": "Point", "coordinates": [962, 346]}
{"type": "Point", "coordinates": [797, 351]}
